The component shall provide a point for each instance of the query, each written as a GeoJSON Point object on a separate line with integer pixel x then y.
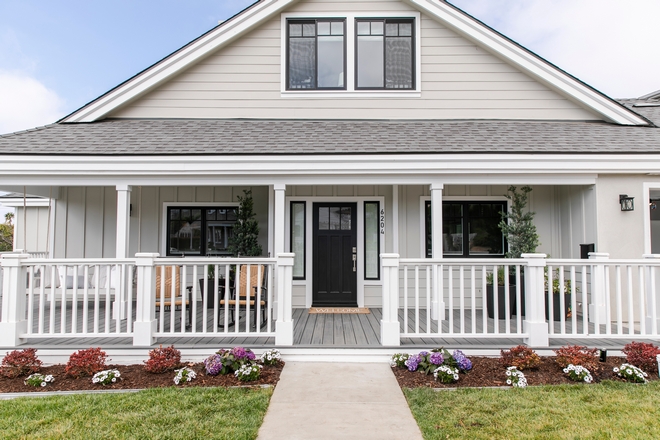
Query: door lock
{"type": "Point", "coordinates": [354, 263]}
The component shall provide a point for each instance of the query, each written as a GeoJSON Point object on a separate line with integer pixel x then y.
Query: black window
{"type": "Point", "coordinates": [384, 55]}
{"type": "Point", "coordinates": [470, 229]}
{"type": "Point", "coordinates": [316, 54]}
{"type": "Point", "coordinates": [199, 230]}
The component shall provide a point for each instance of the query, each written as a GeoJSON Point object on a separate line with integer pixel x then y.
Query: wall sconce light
{"type": "Point", "coordinates": [627, 203]}
{"type": "Point", "coordinates": [653, 203]}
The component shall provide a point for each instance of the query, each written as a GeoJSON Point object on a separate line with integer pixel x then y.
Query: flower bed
{"type": "Point", "coordinates": [140, 376]}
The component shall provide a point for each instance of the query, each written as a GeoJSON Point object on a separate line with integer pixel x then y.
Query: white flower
{"type": "Point", "coordinates": [508, 373]}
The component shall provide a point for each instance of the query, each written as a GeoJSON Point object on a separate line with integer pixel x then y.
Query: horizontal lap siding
{"type": "Point", "coordinates": [459, 81]}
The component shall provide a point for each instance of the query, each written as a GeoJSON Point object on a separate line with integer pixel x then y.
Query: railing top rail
{"type": "Point", "coordinates": [214, 260]}
{"type": "Point", "coordinates": [75, 261]}
{"type": "Point", "coordinates": [609, 262]}
{"type": "Point", "coordinates": [466, 261]}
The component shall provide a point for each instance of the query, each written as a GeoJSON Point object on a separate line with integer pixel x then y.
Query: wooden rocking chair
{"type": "Point", "coordinates": [247, 292]}
{"type": "Point", "coordinates": [164, 293]}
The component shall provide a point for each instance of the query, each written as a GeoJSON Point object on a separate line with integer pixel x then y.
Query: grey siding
{"type": "Point", "coordinates": [458, 80]}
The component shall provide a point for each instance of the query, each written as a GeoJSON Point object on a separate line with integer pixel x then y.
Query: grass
{"type": "Point", "coordinates": [610, 410]}
{"type": "Point", "coordinates": [164, 413]}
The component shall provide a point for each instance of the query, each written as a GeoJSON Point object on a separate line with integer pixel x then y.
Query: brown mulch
{"type": "Point", "coordinates": [135, 377]}
{"type": "Point", "coordinates": [489, 372]}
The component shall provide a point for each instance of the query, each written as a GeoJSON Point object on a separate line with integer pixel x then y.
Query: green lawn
{"type": "Point", "coordinates": [166, 413]}
{"type": "Point", "coordinates": [610, 410]}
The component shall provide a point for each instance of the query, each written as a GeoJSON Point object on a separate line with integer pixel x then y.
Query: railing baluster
{"type": "Point", "coordinates": [562, 301]}
{"type": "Point", "coordinates": [461, 299]}
{"type": "Point", "coordinates": [550, 296]}
{"type": "Point", "coordinates": [416, 299]}
{"type": "Point", "coordinates": [30, 308]}
{"type": "Point", "coordinates": [631, 309]}
{"type": "Point", "coordinates": [248, 296]}
{"type": "Point", "coordinates": [519, 301]}
{"type": "Point", "coordinates": [573, 301]}
{"type": "Point", "coordinates": [585, 301]}
{"type": "Point", "coordinates": [161, 298]}
{"type": "Point", "coordinates": [405, 299]}
{"type": "Point", "coordinates": [42, 299]}
{"type": "Point", "coordinates": [184, 296]}
{"type": "Point", "coordinates": [484, 314]}
{"type": "Point", "coordinates": [642, 315]}
{"type": "Point", "coordinates": [619, 312]}
{"type": "Point", "coordinates": [496, 301]}
{"type": "Point", "coordinates": [507, 301]}
{"type": "Point", "coordinates": [52, 299]}
{"type": "Point", "coordinates": [473, 299]}
{"type": "Point", "coordinates": [269, 315]}
{"type": "Point", "coordinates": [608, 309]}
{"type": "Point", "coordinates": [450, 294]}
{"type": "Point", "coordinates": [654, 314]}
{"type": "Point", "coordinates": [108, 270]}
{"type": "Point", "coordinates": [63, 303]}
{"type": "Point", "coordinates": [193, 299]}
{"type": "Point", "coordinates": [74, 300]}
{"type": "Point", "coordinates": [441, 296]}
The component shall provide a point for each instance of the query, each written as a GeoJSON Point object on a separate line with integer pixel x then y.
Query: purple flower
{"type": "Point", "coordinates": [213, 364]}
{"type": "Point", "coordinates": [436, 358]}
{"type": "Point", "coordinates": [463, 363]}
{"type": "Point", "coordinates": [250, 355]}
{"type": "Point", "coordinates": [412, 362]}
{"type": "Point", "coordinates": [423, 353]}
{"type": "Point", "coordinates": [239, 353]}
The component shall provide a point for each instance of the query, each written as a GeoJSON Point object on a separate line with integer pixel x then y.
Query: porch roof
{"type": "Point", "coordinates": [128, 137]}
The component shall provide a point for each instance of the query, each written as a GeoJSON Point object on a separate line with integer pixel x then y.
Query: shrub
{"type": "Point", "coordinates": [271, 357]}
{"type": "Point", "coordinates": [446, 374]}
{"type": "Point", "coordinates": [515, 378]}
{"type": "Point", "coordinates": [578, 373]}
{"type": "Point", "coordinates": [106, 377]}
{"type": "Point", "coordinates": [577, 355]}
{"type": "Point", "coordinates": [248, 372]}
{"type": "Point", "coordinates": [214, 365]}
{"type": "Point", "coordinates": [39, 380]}
{"type": "Point", "coordinates": [521, 357]}
{"type": "Point", "coordinates": [642, 355]}
{"type": "Point", "coordinates": [163, 359]}
{"type": "Point", "coordinates": [630, 373]}
{"type": "Point", "coordinates": [20, 363]}
{"type": "Point", "coordinates": [86, 362]}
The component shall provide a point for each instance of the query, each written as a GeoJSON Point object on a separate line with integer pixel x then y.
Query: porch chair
{"type": "Point", "coordinates": [249, 287]}
{"type": "Point", "coordinates": [164, 297]}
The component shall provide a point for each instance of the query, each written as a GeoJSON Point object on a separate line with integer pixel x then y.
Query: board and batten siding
{"type": "Point", "coordinates": [459, 80]}
{"type": "Point", "coordinates": [86, 217]}
{"type": "Point", "coordinates": [36, 225]}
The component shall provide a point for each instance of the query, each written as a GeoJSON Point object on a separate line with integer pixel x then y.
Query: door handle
{"type": "Point", "coordinates": [354, 263]}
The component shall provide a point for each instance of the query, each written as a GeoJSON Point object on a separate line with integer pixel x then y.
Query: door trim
{"type": "Point", "coordinates": [361, 282]}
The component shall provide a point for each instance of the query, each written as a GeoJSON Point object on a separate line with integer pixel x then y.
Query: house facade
{"type": "Point", "coordinates": [362, 129]}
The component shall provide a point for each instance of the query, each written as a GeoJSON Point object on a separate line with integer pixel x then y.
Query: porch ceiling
{"type": "Point", "coordinates": [179, 137]}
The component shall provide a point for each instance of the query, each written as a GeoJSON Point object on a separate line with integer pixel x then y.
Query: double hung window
{"type": "Point", "coordinates": [385, 54]}
{"type": "Point", "coordinates": [199, 230]}
{"type": "Point", "coordinates": [470, 229]}
{"type": "Point", "coordinates": [316, 54]}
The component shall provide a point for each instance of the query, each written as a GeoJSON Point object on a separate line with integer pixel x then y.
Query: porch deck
{"type": "Point", "coordinates": [314, 331]}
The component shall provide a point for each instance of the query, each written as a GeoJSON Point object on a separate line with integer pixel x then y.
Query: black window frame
{"type": "Point", "coordinates": [203, 239]}
{"type": "Point", "coordinates": [293, 202]}
{"type": "Point", "coordinates": [316, 67]}
{"type": "Point", "coordinates": [380, 227]}
{"type": "Point", "coordinates": [413, 66]}
{"type": "Point", "coordinates": [465, 220]}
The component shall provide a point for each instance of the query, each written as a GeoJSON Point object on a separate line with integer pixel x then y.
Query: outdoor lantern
{"type": "Point", "coordinates": [626, 202]}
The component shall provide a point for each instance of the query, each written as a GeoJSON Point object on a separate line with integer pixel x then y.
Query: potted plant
{"type": "Point", "coordinates": [244, 240]}
{"type": "Point", "coordinates": [557, 290]}
{"type": "Point", "coordinates": [520, 232]}
{"type": "Point", "coordinates": [210, 280]}
{"type": "Point", "coordinates": [501, 299]}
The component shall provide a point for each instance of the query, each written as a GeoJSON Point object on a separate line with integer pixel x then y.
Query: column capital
{"type": "Point", "coordinates": [279, 187]}
{"type": "Point", "coordinates": [124, 187]}
{"type": "Point", "coordinates": [437, 186]}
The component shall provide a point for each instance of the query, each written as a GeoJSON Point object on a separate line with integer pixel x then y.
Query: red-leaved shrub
{"type": "Point", "coordinates": [642, 355]}
{"type": "Point", "coordinates": [521, 357]}
{"type": "Point", "coordinates": [163, 359]}
{"type": "Point", "coordinates": [577, 355]}
{"type": "Point", "coordinates": [20, 363]}
{"type": "Point", "coordinates": [86, 362]}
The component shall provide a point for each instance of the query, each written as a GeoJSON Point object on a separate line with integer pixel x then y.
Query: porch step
{"type": "Point", "coordinates": [330, 401]}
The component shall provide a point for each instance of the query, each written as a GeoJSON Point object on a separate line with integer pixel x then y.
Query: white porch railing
{"type": "Point", "coordinates": [145, 298]}
{"type": "Point", "coordinates": [533, 298]}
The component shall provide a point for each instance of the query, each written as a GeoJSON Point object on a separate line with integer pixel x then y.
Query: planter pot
{"type": "Point", "coordinates": [501, 301]}
{"type": "Point", "coordinates": [210, 295]}
{"type": "Point", "coordinates": [556, 306]}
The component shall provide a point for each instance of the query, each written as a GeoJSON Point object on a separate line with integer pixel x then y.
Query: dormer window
{"type": "Point", "coordinates": [316, 54]}
{"type": "Point", "coordinates": [385, 54]}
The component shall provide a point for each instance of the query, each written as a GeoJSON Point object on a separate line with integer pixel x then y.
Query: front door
{"type": "Point", "coordinates": [334, 254]}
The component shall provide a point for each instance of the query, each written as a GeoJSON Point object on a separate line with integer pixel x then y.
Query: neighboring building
{"type": "Point", "coordinates": [365, 121]}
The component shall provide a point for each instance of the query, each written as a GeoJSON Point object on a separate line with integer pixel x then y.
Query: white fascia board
{"type": "Point", "coordinates": [534, 66]}
{"type": "Point", "coordinates": [29, 202]}
{"type": "Point", "coordinates": [178, 61]}
{"type": "Point", "coordinates": [355, 169]}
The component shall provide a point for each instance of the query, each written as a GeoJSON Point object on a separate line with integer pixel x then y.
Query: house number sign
{"type": "Point", "coordinates": [382, 221]}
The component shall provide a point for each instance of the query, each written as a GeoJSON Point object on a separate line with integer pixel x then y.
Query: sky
{"type": "Point", "coordinates": [56, 56]}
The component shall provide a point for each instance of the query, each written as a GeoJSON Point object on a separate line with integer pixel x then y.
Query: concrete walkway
{"type": "Point", "coordinates": [331, 401]}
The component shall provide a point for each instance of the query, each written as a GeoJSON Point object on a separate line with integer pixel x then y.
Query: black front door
{"type": "Point", "coordinates": [335, 251]}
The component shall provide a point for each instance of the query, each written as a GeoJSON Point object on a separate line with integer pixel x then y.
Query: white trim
{"type": "Point", "coordinates": [29, 203]}
{"type": "Point", "coordinates": [533, 65]}
{"type": "Point", "coordinates": [646, 194]}
{"type": "Point", "coordinates": [264, 10]}
{"type": "Point", "coordinates": [309, 202]}
{"type": "Point", "coordinates": [163, 242]}
{"type": "Point", "coordinates": [350, 91]}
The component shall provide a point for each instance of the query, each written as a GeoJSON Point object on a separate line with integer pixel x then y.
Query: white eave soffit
{"type": "Point", "coordinates": [450, 16]}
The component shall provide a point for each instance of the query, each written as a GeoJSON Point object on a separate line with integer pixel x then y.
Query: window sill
{"type": "Point", "coordinates": [388, 94]}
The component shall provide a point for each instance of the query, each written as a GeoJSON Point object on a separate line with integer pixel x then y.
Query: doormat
{"type": "Point", "coordinates": [339, 310]}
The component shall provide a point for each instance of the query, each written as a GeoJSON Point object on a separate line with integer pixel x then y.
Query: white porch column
{"type": "Point", "coordinates": [145, 314]}
{"type": "Point", "coordinates": [652, 300]}
{"type": "Point", "coordinates": [438, 305]}
{"type": "Point", "coordinates": [389, 325]}
{"type": "Point", "coordinates": [284, 323]}
{"type": "Point", "coordinates": [599, 284]}
{"type": "Point", "coordinates": [13, 322]}
{"type": "Point", "coordinates": [535, 323]}
{"type": "Point", "coordinates": [280, 216]}
{"type": "Point", "coordinates": [123, 220]}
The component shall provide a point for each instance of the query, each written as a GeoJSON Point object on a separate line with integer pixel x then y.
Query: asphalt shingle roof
{"type": "Point", "coordinates": [252, 137]}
